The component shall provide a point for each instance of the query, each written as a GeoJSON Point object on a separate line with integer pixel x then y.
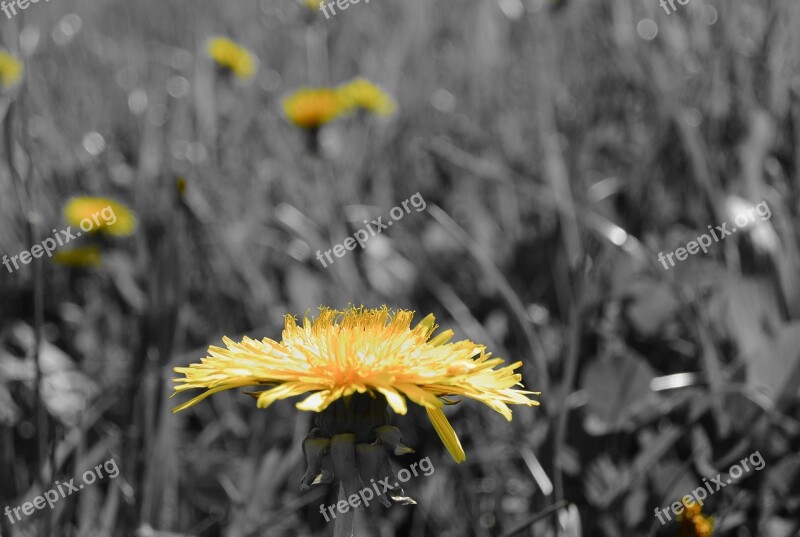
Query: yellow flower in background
{"type": "Point", "coordinates": [360, 93]}
{"type": "Point", "coordinates": [312, 4]}
{"type": "Point", "coordinates": [84, 257]}
{"type": "Point", "coordinates": [102, 215]}
{"type": "Point", "coordinates": [11, 69]}
{"type": "Point", "coordinates": [692, 522]}
{"type": "Point", "coordinates": [361, 351]}
{"type": "Point", "coordinates": [311, 108]}
{"type": "Point", "coordinates": [180, 185]}
{"type": "Point", "coordinates": [230, 55]}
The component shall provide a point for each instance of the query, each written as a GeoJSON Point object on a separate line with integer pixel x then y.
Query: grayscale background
{"type": "Point", "coordinates": [560, 146]}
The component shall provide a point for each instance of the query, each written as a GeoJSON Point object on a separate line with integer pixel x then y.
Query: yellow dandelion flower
{"type": "Point", "coordinates": [703, 526]}
{"type": "Point", "coordinates": [11, 69]}
{"type": "Point", "coordinates": [84, 257]}
{"type": "Point", "coordinates": [100, 215]}
{"type": "Point", "coordinates": [311, 108]}
{"type": "Point", "coordinates": [311, 4]}
{"type": "Point", "coordinates": [692, 522]}
{"type": "Point", "coordinates": [361, 351]}
{"type": "Point", "coordinates": [360, 93]}
{"type": "Point", "coordinates": [232, 56]}
{"type": "Point", "coordinates": [690, 510]}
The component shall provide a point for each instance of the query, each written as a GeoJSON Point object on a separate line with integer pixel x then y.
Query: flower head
{"type": "Point", "coordinates": [83, 257]}
{"type": "Point", "coordinates": [103, 215]}
{"type": "Point", "coordinates": [361, 351]}
{"type": "Point", "coordinates": [311, 108]}
{"type": "Point", "coordinates": [232, 56]}
{"type": "Point", "coordinates": [360, 93]}
{"type": "Point", "coordinates": [692, 522]}
{"type": "Point", "coordinates": [11, 69]}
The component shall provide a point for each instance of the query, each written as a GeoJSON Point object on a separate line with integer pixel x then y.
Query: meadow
{"type": "Point", "coordinates": [558, 146]}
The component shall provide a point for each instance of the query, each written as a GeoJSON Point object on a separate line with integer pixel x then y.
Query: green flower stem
{"type": "Point", "coordinates": [344, 525]}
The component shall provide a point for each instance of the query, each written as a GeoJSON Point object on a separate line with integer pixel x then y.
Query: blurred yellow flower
{"type": "Point", "coordinates": [311, 4]}
{"type": "Point", "coordinates": [692, 522]}
{"type": "Point", "coordinates": [311, 108]}
{"type": "Point", "coordinates": [360, 93]}
{"type": "Point", "coordinates": [180, 185]}
{"type": "Point", "coordinates": [230, 55]}
{"type": "Point", "coordinates": [100, 215]}
{"type": "Point", "coordinates": [364, 351]}
{"type": "Point", "coordinates": [84, 257]}
{"type": "Point", "coordinates": [11, 69]}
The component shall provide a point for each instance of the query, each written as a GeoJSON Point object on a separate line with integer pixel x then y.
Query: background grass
{"type": "Point", "coordinates": [560, 146]}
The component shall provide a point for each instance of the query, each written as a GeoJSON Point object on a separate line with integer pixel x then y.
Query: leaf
{"type": "Point", "coordinates": [653, 306]}
{"type": "Point", "coordinates": [601, 477]}
{"type": "Point", "coordinates": [619, 389]}
{"type": "Point", "coordinates": [784, 476]}
{"type": "Point", "coordinates": [672, 481]}
{"type": "Point", "coordinates": [743, 308]}
{"type": "Point", "coordinates": [774, 368]}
